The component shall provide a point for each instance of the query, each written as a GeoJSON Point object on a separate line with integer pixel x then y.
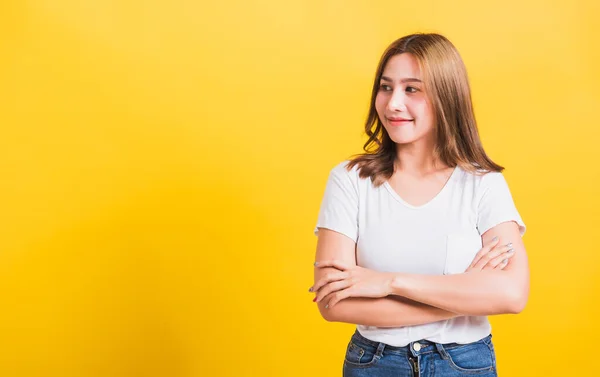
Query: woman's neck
{"type": "Point", "coordinates": [417, 161]}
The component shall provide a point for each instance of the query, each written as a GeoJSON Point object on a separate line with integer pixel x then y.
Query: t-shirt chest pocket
{"type": "Point", "coordinates": [460, 251]}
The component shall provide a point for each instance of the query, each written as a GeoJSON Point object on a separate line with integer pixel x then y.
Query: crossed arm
{"type": "Point", "coordinates": [419, 299]}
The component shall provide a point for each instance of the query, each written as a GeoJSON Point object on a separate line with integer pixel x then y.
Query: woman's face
{"type": "Point", "coordinates": [401, 103]}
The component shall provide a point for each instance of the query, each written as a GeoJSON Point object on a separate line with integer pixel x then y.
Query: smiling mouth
{"type": "Point", "coordinates": [399, 121]}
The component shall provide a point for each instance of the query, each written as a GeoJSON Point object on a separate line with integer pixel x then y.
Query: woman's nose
{"type": "Point", "coordinates": [397, 101]}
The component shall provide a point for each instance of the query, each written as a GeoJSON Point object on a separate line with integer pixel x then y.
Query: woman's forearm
{"type": "Point", "coordinates": [477, 293]}
{"type": "Point", "coordinates": [391, 311]}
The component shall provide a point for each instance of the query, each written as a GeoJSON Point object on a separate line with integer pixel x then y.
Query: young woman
{"type": "Point", "coordinates": [419, 238]}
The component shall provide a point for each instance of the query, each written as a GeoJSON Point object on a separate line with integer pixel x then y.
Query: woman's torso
{"type": "Point", "coordinates": [438, 237]}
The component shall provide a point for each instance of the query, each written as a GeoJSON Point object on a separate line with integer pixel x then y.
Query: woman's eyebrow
{"type": "Point", "coordinates": [409, 79]}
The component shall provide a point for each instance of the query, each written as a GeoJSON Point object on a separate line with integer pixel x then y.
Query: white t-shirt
{"type": "Point", "coordinates": [439, 237]}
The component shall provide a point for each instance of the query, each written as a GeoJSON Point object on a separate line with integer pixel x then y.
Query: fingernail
{"type": "Point", "coordinates": [495, 239]}
{"type": "Point", "coordinates": [314, 299]}
{"type": "Point", "coordinates": [509, 244]}
{"type": "Point", "coordinates": [511, 251]}
{"type": "Point", "coordinates": [310, 289]}
{"type": "Point", "coordinates": [316, 263]}
{"type": "Point", "coordinates": [327, 306]}
{"type": "Point", "coordinates": [505, 261]}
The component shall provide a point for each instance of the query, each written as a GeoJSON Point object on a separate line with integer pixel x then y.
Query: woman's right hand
{"type": "Point", "coordinates": [492, 256]}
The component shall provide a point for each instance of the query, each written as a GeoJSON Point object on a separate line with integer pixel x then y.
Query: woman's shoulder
{"type": "Point", "coordinates": [343, 168]}
{"type": "Point", "coordinates": [480, 178]}
{"type": "Point", "coordinates": [347, 174]}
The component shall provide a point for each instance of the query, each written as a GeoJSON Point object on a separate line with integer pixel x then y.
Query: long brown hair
{"type": "Point", "coordinates": [447, 86]}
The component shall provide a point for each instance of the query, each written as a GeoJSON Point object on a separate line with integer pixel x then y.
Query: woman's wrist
{"type": "Point", "coordinates": [396, 284]}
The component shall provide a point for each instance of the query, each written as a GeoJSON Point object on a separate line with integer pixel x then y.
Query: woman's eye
{"type": "Point", "coordinates": [385, 88]}
{"type": "Point", "coordinates": [411, 89]}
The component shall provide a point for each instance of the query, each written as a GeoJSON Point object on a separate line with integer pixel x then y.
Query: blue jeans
{"type": "Point", "coordinates": [365, 357]}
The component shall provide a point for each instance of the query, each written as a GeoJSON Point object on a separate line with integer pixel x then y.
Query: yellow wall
{"type": "Point", "coordinates": [163, 164]}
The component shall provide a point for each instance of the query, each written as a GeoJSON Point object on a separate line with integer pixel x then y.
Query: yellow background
{"type": "Point", "coordinates": [163, 164]}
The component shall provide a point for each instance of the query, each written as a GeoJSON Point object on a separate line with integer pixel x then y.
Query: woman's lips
{"type": "Point", "coordinates": [399, 121]}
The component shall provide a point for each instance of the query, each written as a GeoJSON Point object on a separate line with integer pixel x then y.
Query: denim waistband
{"type": "Point", "coordinates": [410, 349]}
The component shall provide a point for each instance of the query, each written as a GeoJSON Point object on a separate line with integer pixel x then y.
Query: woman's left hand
{"type": "Point", "coordinates": [351, 281]}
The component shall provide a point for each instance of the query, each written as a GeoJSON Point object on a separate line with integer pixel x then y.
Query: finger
{"type": "Point", "coordinates": [328, 278]}
{"type": "Point", "coordinates": [337, 297]}
{"type": "Point", "coordinates": [331, 288]}
{"type": "Point", "coordinates": [485, 260]}
{"type": "Point", "coordinates": [498, 251]}
{"type": "Point", "coordinates": [494, 253]}
{"type": "Point", "coordinates": [501, 265]}
{"type": "Point", "coordinates": [484, 250]}
{"type": "Point", "coordinates": [481, 257]}
{"type": "Point", "coordinates": [500, 260]}
{"type": "Point", "coordinates": [332, 263]}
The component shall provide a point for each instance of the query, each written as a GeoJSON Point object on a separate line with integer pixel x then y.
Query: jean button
{"type": "Point", "coordinates": [417, 346]}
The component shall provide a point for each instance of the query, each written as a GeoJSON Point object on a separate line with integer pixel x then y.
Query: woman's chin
{"type": "Point", "coordinates": [403, 140]}
{"type": "Point", "coordinates": [407, 137]}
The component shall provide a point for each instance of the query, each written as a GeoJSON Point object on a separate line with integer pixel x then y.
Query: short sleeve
{"type": "Point", "coordinates": [496, 204]}
{"type": "Point", "coordinates": [339, 206]}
